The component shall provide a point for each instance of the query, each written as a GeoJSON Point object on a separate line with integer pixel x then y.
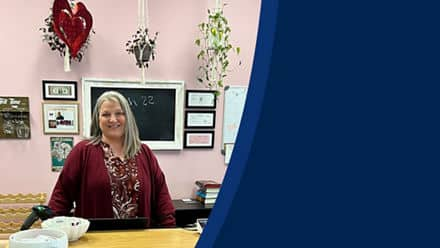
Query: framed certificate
{"type": "Point", "coordinates": [200, 99]}
{"type": "Point", "coordinates": [198, 139]}
{"type": "Point", "coordinates": [199, 119]}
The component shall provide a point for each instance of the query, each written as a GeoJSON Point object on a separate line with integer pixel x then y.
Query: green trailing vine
{"type": "Point", "coordinates": [214, 51]}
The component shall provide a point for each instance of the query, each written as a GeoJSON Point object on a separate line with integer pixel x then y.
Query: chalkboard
{"type": "Point", "coordinates": [157, 106]}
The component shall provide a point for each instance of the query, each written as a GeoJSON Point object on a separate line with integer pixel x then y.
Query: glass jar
{"type": "Point", "coordinates": [22, 130]}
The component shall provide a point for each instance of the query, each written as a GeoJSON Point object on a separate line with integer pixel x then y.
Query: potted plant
{"type": "Point", "coordinates": [214, 47]}
{"type": "Point", "coordinates": [142, 46]}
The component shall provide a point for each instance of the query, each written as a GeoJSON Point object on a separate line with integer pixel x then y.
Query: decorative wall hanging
{"type": "Point", "coordinates": [215, 48]}
{"type": "Point", "coordinates": [67, 30]}
{"type": "Point", "coordinates": [14, 117]}
{"type": "Point", "coordinates": [142, 45]}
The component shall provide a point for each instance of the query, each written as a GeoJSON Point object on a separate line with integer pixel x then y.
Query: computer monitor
{"type": "Point", "coordinates": [97, 224]}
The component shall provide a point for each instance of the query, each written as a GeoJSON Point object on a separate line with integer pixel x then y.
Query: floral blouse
{"type": "Point", "coordinates": [124, 184]}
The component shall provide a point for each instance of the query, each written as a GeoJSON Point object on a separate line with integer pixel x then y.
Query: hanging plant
{"type": "Point", "coordinates": [66, 30]}
{"type": "Point", "coordinates": [214, 47]}
{"type": "Point", "coordinates": [142, 46]}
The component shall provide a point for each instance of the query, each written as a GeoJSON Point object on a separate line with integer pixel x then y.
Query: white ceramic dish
{"type": "Point", "coordinates": [38, 238]}
{"type": "Point", "coordinates": [74, 227]}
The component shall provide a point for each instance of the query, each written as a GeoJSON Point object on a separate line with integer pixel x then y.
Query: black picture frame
{"type": "Point", "coordinates": [60, 90]}
{"type": "Point", "coordinates": [203, 99]}
{"type": "Point", "coordinates": [199, 119]}
{"type": "Point", "coordinates": [205, 138]}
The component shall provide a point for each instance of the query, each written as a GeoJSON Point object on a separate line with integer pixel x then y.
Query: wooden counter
{"type": "Point", "coordinates": [168, 237]}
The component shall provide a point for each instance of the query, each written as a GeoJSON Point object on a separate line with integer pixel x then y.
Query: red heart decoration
{"type": "Point", "coordinates": [71, 26]}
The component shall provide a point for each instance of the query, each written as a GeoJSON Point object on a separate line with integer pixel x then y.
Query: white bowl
{"type": "Point", "coordinates": [38, 238]}
{"type": "Point", "coordinates": [74, 227]}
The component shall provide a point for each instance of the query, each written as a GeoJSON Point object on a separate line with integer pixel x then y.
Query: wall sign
{"type": "Point", "coordinates": [14, 117]}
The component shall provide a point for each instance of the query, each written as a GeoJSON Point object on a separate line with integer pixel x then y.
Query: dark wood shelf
{"type": "Point", "coordinates": [187, 213]}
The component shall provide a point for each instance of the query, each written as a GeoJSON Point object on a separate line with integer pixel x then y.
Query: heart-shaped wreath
{"type": "Point", "coordinates": [68, 26]}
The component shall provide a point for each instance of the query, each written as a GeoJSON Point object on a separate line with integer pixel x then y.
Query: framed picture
{"type": "Point", "coordinates": [60, 147]}
{"type": "Point", "coordinates": [59, 90]}
{"type": "Point", "coordinates": [199, 119]}
{"type": "Point", "coordinates": [198, 139]}
{"type": "Point", "coordinates": [60, 117]}
{"type": "Point", "coordinates": [200, 99]}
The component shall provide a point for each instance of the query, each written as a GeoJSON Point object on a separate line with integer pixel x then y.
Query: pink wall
{"type": "Point", "coordinates": [25, 61]}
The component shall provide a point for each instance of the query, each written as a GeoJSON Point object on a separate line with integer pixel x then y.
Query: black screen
{"type": "Point", "coordinates": [117, 224]}
{"type": "Point", "coordinates": [154, 110]}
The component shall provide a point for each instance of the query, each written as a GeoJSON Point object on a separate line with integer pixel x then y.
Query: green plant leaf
{"type": "Point", "coordinates": [214, 31]}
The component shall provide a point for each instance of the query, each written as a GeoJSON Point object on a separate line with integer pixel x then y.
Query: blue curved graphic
{"type": "Point", "coordinates": [249, 122]}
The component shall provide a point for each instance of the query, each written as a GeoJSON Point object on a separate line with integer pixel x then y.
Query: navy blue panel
{"type": "Point", "coordinates": [251, 115]}
{"type": "Point", "coordinates": [346, 152]}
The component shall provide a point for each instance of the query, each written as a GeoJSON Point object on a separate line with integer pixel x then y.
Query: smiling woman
{"type": "Point", "coordinates": [112, 174]}
{"type": "Point", "coordinates": [112, 125]}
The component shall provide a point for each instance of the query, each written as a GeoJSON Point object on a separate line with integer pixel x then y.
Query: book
{"type": "Point", "coordinates": [208, 190]}
{"type": "Point", "coordinates": [205, 200]}
{"type": "Point", "coordinates": [205, 184]}
{"type": "Point", "coordinates": [206, 194]}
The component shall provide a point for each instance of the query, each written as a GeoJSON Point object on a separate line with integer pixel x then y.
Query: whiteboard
{"type": "Point", "coordinates": [234, 100]}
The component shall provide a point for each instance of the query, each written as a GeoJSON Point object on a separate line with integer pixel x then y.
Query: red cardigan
{"type": "Point", "coordinates": [85, 181]}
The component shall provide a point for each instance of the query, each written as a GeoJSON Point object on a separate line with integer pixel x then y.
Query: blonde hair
{"type": "Point", "coordinates": [132, 142]}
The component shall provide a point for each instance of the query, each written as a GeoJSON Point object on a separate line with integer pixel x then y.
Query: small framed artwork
{"type": "Point", "coordinates": [60, 147]}
{"type": "Point", "coordinates": [59, 90]}
{"type": "Point", "coordinates": [200, 99]}
{"type": "Point", "coordinates": [60, 117]}
{"type": "Point", "coordinates": [199, 119]}
{"type": "Point", "coordinates": [198, 139]}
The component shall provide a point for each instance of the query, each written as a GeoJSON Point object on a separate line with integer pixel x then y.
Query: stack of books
{"type": "Point", "coordinates": [207, 191]}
